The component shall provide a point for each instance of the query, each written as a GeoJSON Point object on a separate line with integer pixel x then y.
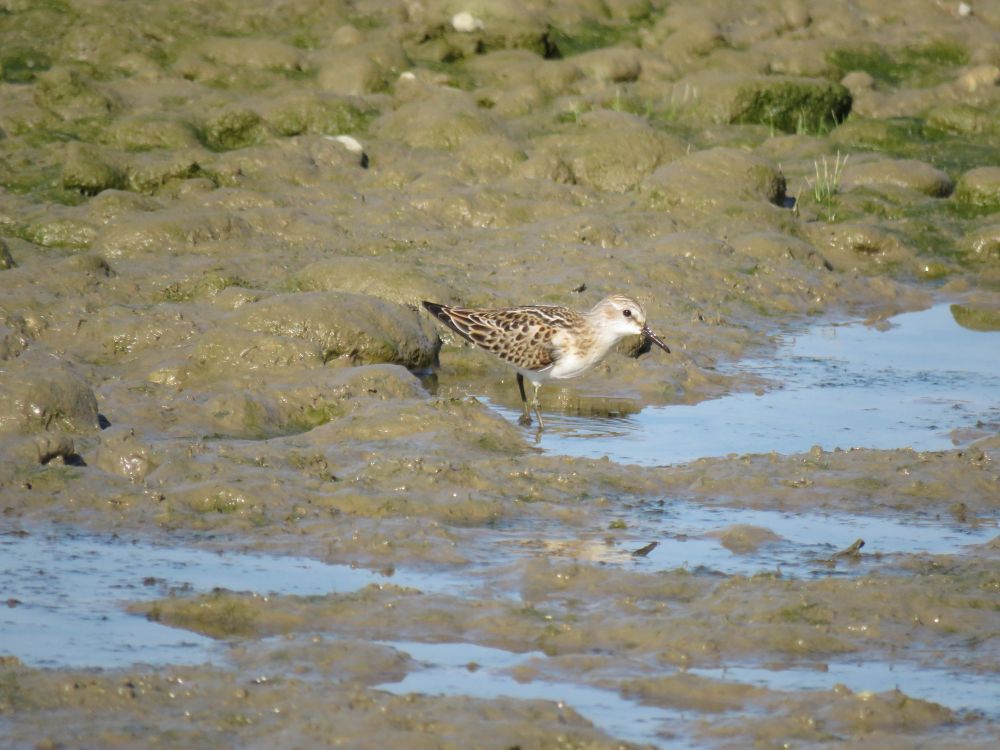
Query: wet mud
{"type": "Point", "coordinates": [217, 222]}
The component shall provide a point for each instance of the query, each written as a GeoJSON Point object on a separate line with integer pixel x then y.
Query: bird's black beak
{"type": "Point", "coordinates": [655, 339]}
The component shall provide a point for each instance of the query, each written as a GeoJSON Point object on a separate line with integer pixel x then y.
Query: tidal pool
{"type": "Point", "coordinates": [482, 672]}
{"type": "Point", "coordinates": [908, 383]}
{"type": "Point", "coordinates": [66, 593]}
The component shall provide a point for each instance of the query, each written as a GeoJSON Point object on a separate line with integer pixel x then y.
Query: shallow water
{"type": "Point", "coordinates": [482, 672]}
{"type": "Point", "coordinates": [70, 591]}
{"type": "Point", "coordinates": [957, 690]}
{"type": "Point", "coordinates": [910, 383]}
{"type": "Point", "coordinates": [687, 535]}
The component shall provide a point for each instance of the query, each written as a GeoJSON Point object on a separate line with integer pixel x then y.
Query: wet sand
{"type": "Point", "coordinates": [217, 223]}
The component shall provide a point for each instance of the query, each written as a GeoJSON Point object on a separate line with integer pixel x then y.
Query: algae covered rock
{"type": "Point", "coordinates": [902, 173]}
{"type": "Point", "coordinates": [788, 103]}
{"type": "Point", "coordinates": [982, 245]}
{"type": "Point", "coordinates": [88, 171]}
{"type": "Point", "coordinates": [980, 187]}
{"type": "Point", "coordinates": [40, 392]}
{"type": "Point", "coordinates": [232, 128]}
{"type": "Point", "coordinates": [361, 328]}
{"type": "Point", "coordinates": [315, 112]}
{"type": "Point", "coordinates": [72, 95]}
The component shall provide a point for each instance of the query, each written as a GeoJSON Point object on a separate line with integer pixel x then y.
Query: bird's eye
{"type": "Point", "coordinates": [627, 313]}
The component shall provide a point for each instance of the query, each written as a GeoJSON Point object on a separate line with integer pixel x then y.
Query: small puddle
{"type": "Point", "coordinates": [849, 385]}
{"type": "Point", "coordinates": [482, 672]}
{"type": "Point", "coordinates": [959, 691]}
{"type": "Point", "coordinates": [66, 594]}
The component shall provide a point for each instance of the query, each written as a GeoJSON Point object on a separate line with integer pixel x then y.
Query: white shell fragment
{"type": "Point", "coordinates": [465, 22]}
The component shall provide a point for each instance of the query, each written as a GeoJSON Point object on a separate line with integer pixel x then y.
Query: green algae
{"type": "Point", "coordinates": [587, 36]}
{"type": "Point", "coordinates": [912, 66]}
{"type": "Point", "coordinates": [793, 106]}
{"type": "Point", "coordinates": [204, 286]}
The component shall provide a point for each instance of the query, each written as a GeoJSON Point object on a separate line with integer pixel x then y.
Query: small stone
{"type": "Point", "coordinates": [465, 22]}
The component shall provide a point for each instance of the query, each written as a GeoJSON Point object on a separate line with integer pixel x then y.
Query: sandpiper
{"type": "Point", "coordinates": [545, 342]}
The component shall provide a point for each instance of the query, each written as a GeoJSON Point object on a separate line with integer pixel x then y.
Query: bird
{"type": "Point", "coordinates": [547, 342]}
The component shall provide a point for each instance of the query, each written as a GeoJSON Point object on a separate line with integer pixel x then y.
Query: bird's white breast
{"type": "Point", "coordinates": [574, 360]}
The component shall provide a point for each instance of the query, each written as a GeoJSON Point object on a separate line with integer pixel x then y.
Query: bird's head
{"type": "Point", "coordinates": [624, 316]}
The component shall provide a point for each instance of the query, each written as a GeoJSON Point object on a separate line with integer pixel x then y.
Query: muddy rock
{"type": "Point", "coordinates": [976, 318]}
{"type": "Point", "coordinates": [357, 327]}
{"type": "Point", "coordinates": [517, 82]}
{"type": "Point", "coordinates": [363, 68]}
{"type": "Point", "coordinates": [73, 95]}
{"type": "Point", "coordinates": [742, 539]}
{"type": "Point", "coordinates": [980, 187]}
{"type": "Point", "coordinates": [688, 692]}
{"type": "Point", "coordinates": [982, 245]}
{"type": "Point", "coordinates": [121, 452]}
{"type": "Point", "coordinates": [293, 401]}
{"type": "Point", "coordinates": [318, 113]}
{"type": "Point", "coordinates": [785, 103]}
{"type": "Point", "coordinates": [145, 132]}
{"type": "Point", "coordinates": [860, 246]}
{"type": "Point", "coordinates": [110, 205]}
{"type": "Point", "coordinates": [374, 277]}
{"type": "Point", "coordinates": [609, 65]}
{"type": "Point", "coordinates": [774, 247]}
{"type": "Point", "coordinates": [441, 119]}
{"type": "Point", "coordinates": [900, 173]}
{"type": "Point", "coordinates": [225, 351]}
{"type": "Point", "coordinates": [149, 171]}
{"type": "Point", "coordinates": [609, 150]}
{"type": "Point", "coordinates": [706, 178]}
{"type": "Point", "coordinates": [87, 171]}
{"type": "Point", "coordinates": [259, 53]}
{"type": "Point", "coordinates": [6, 259]}
{"type": "Point", "coordinates": [169, 231]}
{"type": "Point", "coordinates": [960, 118]}
{"type": "Point", "coordinates": [449, 30]}
{"type": "Point", "coordinates": [63, 227]}
{"type": "Point", "coordinates": [121, 332]}
{"type": "Point", "coordinates": [41, 392]}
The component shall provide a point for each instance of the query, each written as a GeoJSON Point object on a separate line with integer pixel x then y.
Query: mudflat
{"type": "Point", "coordinates": [217, 222]}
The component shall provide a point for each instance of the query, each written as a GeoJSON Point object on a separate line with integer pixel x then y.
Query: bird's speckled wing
{"type": "Point", "coordinates": [522, 336]}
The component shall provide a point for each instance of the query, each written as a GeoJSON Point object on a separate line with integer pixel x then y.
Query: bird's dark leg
{"type": "Point", "coordinates": [525, 416]}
